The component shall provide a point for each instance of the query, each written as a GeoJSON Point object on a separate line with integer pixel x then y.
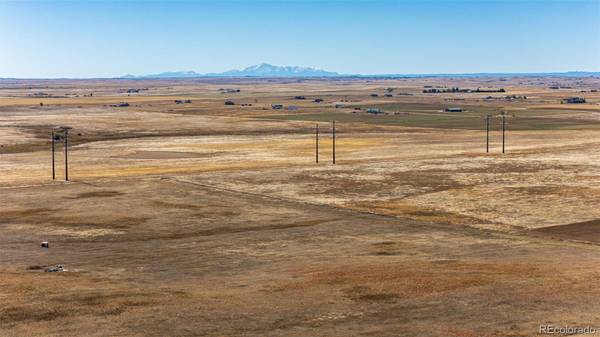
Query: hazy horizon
{"type": "Point", "coordinates": [149, 75]}
{"type": "Point", "coordinates": [43, 39]}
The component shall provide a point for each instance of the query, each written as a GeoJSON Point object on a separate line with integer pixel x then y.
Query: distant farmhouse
{"type": "Point", "coordinates": [374, 111]}
{"type": "Point", "coordinates": [453, 109]}
{"type": "Point", "coordinates": [133, 90]}
{"type": "Point", "coordinates": [40, 94]}
{"type": "Point", "coordinates": [573, 100]}
{"type": "Point", "coordinates": [277, 106]}
{"type": "Point", "coordinates": [228, 91]}
{"type": "Point", "coordinates": [120, 105]}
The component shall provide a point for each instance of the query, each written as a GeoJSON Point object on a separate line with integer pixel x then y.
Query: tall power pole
{"type": "Point", "coordinates": [65, 134]}
{"type": "Point", "coordinates": [317, 144]}
{"type": "Point", "coordinates": [66, 154]}
{"type": "Point", "coordinates": [53, 170]}
{"type": "Point", "coordinates": [487, 133]}
{"type": "Point", "coordinates": [334, 142]}
{"type": "Point", "coordinates": [503, 130]}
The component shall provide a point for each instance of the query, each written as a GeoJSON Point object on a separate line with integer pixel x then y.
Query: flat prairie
{"type": "Point", "coordinates": [206, 219]}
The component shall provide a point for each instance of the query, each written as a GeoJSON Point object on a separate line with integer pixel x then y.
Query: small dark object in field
{"type": "Point", "coordinates": [35, 267]}
{"type": "Point", "coordinates": [45, 244]}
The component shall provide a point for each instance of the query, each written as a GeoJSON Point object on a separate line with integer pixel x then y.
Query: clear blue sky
{"type": "Point", "coordinates": [105, 39]}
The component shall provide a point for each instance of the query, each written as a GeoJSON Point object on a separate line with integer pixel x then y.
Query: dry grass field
{"type": "Point", "coordinates": [206, 219]}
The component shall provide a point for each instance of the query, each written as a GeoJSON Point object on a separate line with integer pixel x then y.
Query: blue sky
{"type": "Point", "coordinates": [105, 39]}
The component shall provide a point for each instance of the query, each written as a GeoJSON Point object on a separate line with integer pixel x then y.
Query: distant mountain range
{"type": "Point", "coordinates": [260, 70]}
{"type": "Point", "coordinates": [266, 70]}
{"type": "Point", "coordinates": [269, 70]}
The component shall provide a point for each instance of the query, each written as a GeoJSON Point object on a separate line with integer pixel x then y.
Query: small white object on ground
{"type": "Point", "coordinates": [54, 269]}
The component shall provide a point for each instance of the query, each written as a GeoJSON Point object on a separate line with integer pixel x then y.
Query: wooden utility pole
{"type": "Point", "coordinates": [53, 170]}
{"type": "Point", "coordinates": [503, 130]}
{"type": "Point", "coordinates": [487, 133]}
{"type": "Point", "coordinates": [334, 142]}
{"type": "Point", "coordinates": [317, 144]}
{"type": "Point", "coordinates": [66, 154]}
{"type": "Point", "coordinates": [65, 134]}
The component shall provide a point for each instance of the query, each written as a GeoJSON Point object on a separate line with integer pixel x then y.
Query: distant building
{"type": "Point", "coordinates": [299, 97]}
{"type": "Point", "coordinates": [277, 106]}
{"type": "Point", "coordinates": [120, 105]}
{"type": "Point", "coordinates": [574, 100]}
{"type": "Point", "coordinates": [388, 95]}
{"type": "Point", "coordinates": [453, 110]}
{"type": "Point", "coordinates": [228, 91]}
{"type": "Point", "coordinates": [374, 111]}
{"type": "Point", "coordinates": [318, 100]}
{"type": "Point", "coordinates": [374, 95]}
{"type": "Point", "coordinates": [339, 106]}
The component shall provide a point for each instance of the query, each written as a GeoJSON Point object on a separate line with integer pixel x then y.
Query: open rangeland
{"type": "Point", "coordinates": [203, 219]}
